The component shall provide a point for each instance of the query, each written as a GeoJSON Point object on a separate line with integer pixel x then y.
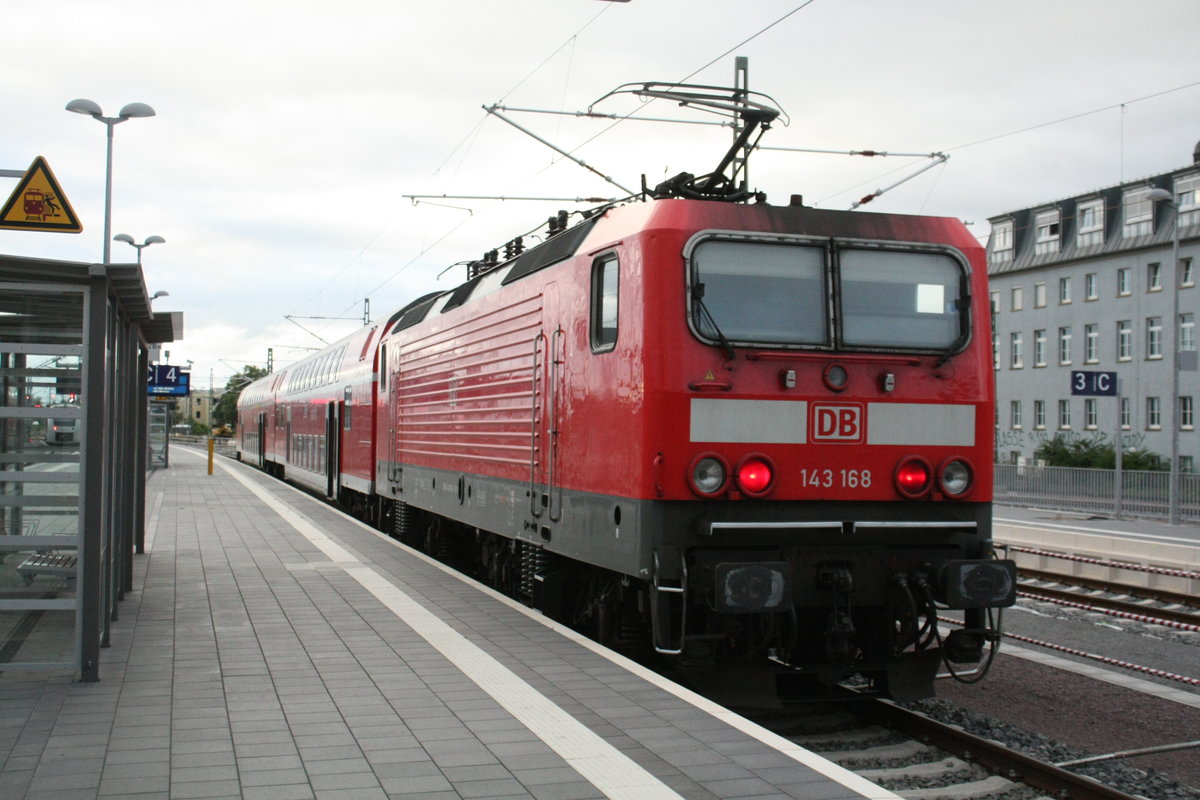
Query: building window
{"type": "Point", "coordinates": [1091, 343]}
{"type": "Point", "coordinates": [1018, 301]}
{"type": "Point", "coordinates": [1064, 415]}
{"type": "Point", "coordinates": [1154, 277]}
{"type": "Point", "coordinates": [1039, 414]}
{"type": "Point", "coordinates": [1039, 295]}
{"type": "Point", "coordinates": [1187, 332]}
{"type": "Point", "coordinates": [1153, 413]}
{"type": "Point", "coordinates": [1187, 196]}
{"type": "Point", "coordinates": [1015, 354]}
{"type": "Point", "coordinates": [1126, 413]}
{"type": "Point", "coordinates": [1048, 232]}
{"type": "Point", "coordinates": [1124, 340]}
{"type": "Point", "coordinates": [1187, 413]}
{"type": "Point", "coordinates": [1091, 288]}
{"type": "Point", "coordinates": [1187, 464]}
{"type": "Point", "coordinates": [995, 351]}
{"type": "Point", "coordinates": [1091, 223]}
{"type": "Point", "coordinates": [1015, 414]}
{"type": "Point", "coordinates": [1124, 282]}
{"type": "Point", "coordinates": [1138, 212]}
{"type": "Point", "coordinates": [1002, 241]}
{"type": "Point", "coordinates": [1064, 346]}
{"type": "Point", "coordinates": [1064, 291]}
{"type": "Point", "coordinates": [1039, 348]}
{"type": "Point", "coordinates": [1091, 418]}
{"type": "Point", "coordinates": [995, 302]}
{"type": "Point", "coordinates": [1154, 337]}
{"type": "Point", "coordinates": [1186, 278]}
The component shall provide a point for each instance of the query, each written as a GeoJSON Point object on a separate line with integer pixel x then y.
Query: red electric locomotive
{"type": "Point", "coordinates": [735, 433]}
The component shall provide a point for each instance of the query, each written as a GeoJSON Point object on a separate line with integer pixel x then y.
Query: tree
{"type": "Point", "coordinates": [225, 408]}
{"type": "Point", "coordinates": [1061, 452]}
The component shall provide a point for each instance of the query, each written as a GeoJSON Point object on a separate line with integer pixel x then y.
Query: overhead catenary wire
{"type": "Point", "coordinates": [616, 122]}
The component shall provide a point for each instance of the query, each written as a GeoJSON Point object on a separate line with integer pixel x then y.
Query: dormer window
{"type": "Point", "coordinates": [1090, 216]}
{"type": "Point", "coordinates": [1138, 212]}
{"type": "Point", "coordinates": [1002, 242]}
{"type": "Point", "coordinates": [1049, 232]}
{"type": "Point", "coordinates": [1187, 195]}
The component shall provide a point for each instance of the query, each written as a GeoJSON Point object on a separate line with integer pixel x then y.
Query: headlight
{"type": "Point", "coordinates": [709, 475]}
{"type": "Point", "coordinates": [955, 477]}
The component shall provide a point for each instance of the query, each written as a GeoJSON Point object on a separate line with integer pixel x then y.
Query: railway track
{"type": "Point", "coordinates": [1179, 611]}
{"type": "Point", "coordinates": [920, 758]}
{"type": "Point", "coordinates": [1116, 596]}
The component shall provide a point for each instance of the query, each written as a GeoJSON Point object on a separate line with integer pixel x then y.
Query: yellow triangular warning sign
{"type": "Point", "coordinates": [38, 204]}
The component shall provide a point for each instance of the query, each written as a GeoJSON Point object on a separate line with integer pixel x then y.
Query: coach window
{"type": "Point", "coordinates": [349, 396]}
{"type": "Point", "coordinates": [605, 302]}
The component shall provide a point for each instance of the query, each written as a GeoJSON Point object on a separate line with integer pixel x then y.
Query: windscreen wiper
{"type": "Point", "coordinates": [707, 318]}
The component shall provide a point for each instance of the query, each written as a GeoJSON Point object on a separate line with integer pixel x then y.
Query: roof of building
{"type": "Point", "coordinates": [1024, 222]}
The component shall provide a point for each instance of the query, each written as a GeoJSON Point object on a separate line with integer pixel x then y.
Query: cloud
{"type": "Point", "coordinates": [288, 133]}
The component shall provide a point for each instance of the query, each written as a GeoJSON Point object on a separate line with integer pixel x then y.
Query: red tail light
{"type": "Point", "coordinates": [913, 477]}
{"type": "Point", "coordinates": [755, 476]}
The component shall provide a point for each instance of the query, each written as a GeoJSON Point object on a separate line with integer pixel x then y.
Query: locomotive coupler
{"type": "Point", "coordinates": [965, 645]}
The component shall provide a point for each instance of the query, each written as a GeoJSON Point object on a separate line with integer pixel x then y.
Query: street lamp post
{"type": "Point", "coordinates": [84, 106]}
{"type": "Point", "coordinates": [127, 239]}
{"type": "Point", "coordinates": [1173, 487]}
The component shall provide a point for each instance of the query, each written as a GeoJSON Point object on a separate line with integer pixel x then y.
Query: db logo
{"type": "Point", "coordinates": [844, 423]}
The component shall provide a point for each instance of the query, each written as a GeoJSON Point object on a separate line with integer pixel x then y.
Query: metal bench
{"type": "Point", "coordinates": [48, 563]}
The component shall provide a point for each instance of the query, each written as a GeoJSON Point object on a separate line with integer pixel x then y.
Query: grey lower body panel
{"type": "Point", "coordinates": [622, 534]}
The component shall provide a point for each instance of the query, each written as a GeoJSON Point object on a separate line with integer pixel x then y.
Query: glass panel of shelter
{"type": "Point", "coordinates": [41, 470]}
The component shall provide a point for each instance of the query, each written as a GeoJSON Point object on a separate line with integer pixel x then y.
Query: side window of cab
{"type": "Point", "coordinates": [605, 304]}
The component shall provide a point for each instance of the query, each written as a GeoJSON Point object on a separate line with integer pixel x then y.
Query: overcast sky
{"type": "Point", "coordinates": [288, 132]}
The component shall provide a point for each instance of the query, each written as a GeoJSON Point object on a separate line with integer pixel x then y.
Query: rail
{"type": "Point", "coordinates": [1143, 494]}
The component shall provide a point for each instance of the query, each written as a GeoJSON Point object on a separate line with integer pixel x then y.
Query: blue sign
{"type": "Point", "coordinates": [164, 380]}
{"type": "Point", "coordinates": [1094, 384]}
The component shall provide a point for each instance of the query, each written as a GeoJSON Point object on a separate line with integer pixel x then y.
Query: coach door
{"type": "Point", "coordinates": [332, 451]}
{"type": "Point", "coordinates": [262, 440]}
{"type": "Point", "coordinates": [389, 390]}
{"type": "Point", "coordinates": [549, 364]}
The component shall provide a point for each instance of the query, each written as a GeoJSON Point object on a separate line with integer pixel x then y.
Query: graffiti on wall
{"type": "Point", "coordinates": [1032, 440]}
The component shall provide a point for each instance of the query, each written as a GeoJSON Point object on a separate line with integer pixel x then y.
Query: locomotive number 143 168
{"type": "Point", "coordinates": [825, 478]}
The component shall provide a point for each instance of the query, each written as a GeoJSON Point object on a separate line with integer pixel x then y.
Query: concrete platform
{"type": "Point", "coordinates": [273, 648]}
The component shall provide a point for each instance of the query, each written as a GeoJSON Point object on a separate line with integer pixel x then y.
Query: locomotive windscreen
{"type": "Point", "coordinates": [766, 293]}
{"type": "Point", "coordinates": [900, 299]}
{"type": "Point", "coordinates": [761, 293]}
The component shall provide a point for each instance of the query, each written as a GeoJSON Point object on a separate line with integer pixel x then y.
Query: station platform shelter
{"type": "Point", "coordinates": [74, 349]}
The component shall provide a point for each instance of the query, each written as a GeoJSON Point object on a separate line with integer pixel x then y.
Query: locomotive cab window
{"type": "Point", "coordinates": [900, 299]}
{"type": "Point", "coordinates": [605, 303]}
{"type": "Point", "coordinates": [759, 293]}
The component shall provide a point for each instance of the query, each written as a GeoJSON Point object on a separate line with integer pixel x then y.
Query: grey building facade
{"type": "Point", "coordinates": [1089, 283]}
